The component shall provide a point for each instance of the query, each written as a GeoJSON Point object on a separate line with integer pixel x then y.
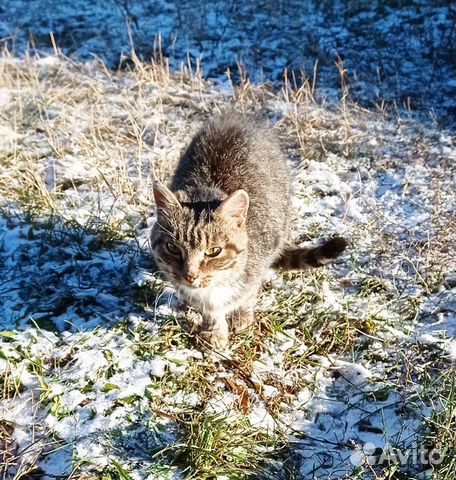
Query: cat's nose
{"type": "Point", "coordinates": [191, 278]}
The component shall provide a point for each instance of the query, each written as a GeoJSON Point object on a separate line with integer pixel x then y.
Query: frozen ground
{"type": "Point", "coordinates": [97, 378]}
{"type": "Point", "coordinates": [396, 52]}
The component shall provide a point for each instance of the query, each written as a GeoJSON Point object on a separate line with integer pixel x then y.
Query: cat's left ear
{"type": "Point", "coordinates": [235, 207]}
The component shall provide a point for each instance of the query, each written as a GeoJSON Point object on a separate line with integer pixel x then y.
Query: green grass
{"type": "Point", "coordinates": [442, 427]}
{"type": "Point", "coordinates": [213, 444]}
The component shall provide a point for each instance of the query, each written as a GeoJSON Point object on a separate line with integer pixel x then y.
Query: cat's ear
{"type": "Point", "coordinates": [235, 206]}
{"type": "Point", "coordinates": [164, 198]}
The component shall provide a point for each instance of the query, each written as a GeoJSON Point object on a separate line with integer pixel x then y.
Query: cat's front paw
{"type": "Point", "coordinates": [194, 320]}
{"type": "Point", "coordinates": [217, 339]}
{"type": "Point", "coordinates": [242, 320]}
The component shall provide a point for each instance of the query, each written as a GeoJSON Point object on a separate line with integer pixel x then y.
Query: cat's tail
{"type": "Point", "coordinates": [293, 258]}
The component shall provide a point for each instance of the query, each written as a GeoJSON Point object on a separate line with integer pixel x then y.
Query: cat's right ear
{"type": "Point", "coordinates": [165, 199]}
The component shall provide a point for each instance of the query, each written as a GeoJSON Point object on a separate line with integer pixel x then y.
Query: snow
{"type": "Point", "coordinates": [157, 367]}
{"type": "Point", "coordinates": [57, 463]}
{"type": "Point", "coordinates": [222, 404]}
{"type": "Point", "coordinates": [261, 418]}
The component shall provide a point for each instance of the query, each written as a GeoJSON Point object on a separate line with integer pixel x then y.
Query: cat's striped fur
{"type": "Point", "coordinates": [225, 221]}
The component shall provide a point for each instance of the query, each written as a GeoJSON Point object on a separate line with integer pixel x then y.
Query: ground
{"type": "Point", "coordinates": [350, 371]}
{"type": "Point", "coordinates": [398, 54]}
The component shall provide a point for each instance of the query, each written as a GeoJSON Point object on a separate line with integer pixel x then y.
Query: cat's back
{"type": "Point", "coordinates": [235, 152]}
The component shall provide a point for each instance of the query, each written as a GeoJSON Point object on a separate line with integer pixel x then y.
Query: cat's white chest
{"type": "Point", "coordinates": [214, 298]}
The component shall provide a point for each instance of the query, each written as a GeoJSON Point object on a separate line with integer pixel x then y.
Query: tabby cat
{"type": "Point", "coordinates": [225, 222]}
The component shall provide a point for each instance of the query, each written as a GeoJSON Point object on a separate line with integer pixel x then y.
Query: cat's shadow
{"type": "Point", "coordinates": [60, 275]}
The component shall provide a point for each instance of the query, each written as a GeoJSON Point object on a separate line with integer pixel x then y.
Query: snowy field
{"type": "Point", "coordinates": [397, 53]}
{"type": "Point", "coordinates": [351, 370]}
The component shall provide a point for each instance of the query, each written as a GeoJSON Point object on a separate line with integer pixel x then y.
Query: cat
{"type": "Point", "coordinates": [225, 221]}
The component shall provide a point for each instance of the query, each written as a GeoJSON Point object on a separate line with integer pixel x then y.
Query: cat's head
{"type": "Point", "coordinates": [200, 245]}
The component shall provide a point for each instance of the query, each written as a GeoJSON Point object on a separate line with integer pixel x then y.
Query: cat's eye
{"type": "Point", "coordinates": [212, 252]}
{"type": "Point", "coordinates": [172, 248]}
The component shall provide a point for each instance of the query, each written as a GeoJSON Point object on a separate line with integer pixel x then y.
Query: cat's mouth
{"type": "Point", "coordinates": [196, 284]}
